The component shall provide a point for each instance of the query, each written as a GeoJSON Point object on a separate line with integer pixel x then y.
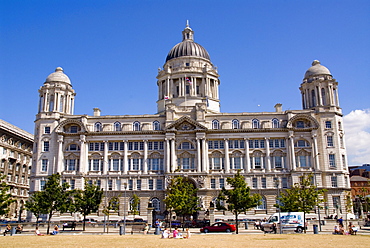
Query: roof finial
{"type": "Point", "coordinates": [187, 23]}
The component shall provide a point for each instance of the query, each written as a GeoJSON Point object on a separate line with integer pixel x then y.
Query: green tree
{"type": "Point", "coordinates": [87, 201]}
{"type": "Point", "coordinates": [181, 196]}
{"type": "Point", "coordinates": [35, 204]}
{"type": "Point", "coordinates": [56, 196]}
{"type": "Point", "coordinates": [113, 206]}
{"type": "Point", "coordinates": [238, 198]}
{"type": "Point", "coordinates": [134, 204]}
{"type": "Point", "coordinates": [5, 196]}
{"type": "Point", "coordinates": [302, 197]}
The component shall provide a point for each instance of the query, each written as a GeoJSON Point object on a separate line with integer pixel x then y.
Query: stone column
{"type": "Point", "coordinates": [125, 157]}
{"type": "Point", "coordinates": [268, 161]}
{"type": "Point", "coordinates": [204, 155]}
{"type": "Point", "coordinates": [173, 155]}
{"type": "Point", "coordinates": [199, 159]}
{"type": "Point", "coordinates": [168, 157]}
{"type": "Point", "coordinates": [145, 157]}
{"type": "Point", "coordinates": [227, 160]}
{"type": "Point", "coordinates": [292, 154]}
{"type": "Point", "coordinates": [59, 164]}
{"type": "Point", "coordinates": [83, 154]}
{"type": "Point", "coordinates": [247, 158]}
{"type": "Point", "coordinates": [316, 153]}
{"type": "Point", "coordinates": [105, 158]}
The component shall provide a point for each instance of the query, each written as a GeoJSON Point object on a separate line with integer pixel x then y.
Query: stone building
{"type": "Point", "coordinates": [16, 159]}
{"type": "Point", "coordinates": [189, 136]}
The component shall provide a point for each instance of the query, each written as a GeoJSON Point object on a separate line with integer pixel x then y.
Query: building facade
{"type": "Point", "coordinates": [16, 160]}
{"type": "Point", "coordinates": [189, 136]}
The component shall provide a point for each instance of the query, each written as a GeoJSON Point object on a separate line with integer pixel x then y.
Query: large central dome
{"type": "Point", "coordinates": [187, 47]}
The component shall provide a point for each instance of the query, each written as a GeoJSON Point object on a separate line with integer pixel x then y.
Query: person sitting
{"type": "Point", "coordinates": [37, 232]}
{"type": "Point", "coordinates": [341, 230]}
{"type": "Point", "coordinates": [175, 233]}
{"type": "Point", "coordinates": [19, 229]}
{"type": "Point", "coordinates": [188, 234]}
{"type": "Point", "coordinates": [354, 230]}
{"type": "Point", "coordinates": [165, 234]}
{"type": "Point", "coordinates": [336, 230]}
{"type": "Point", "coordinates": [56, 230]}
{"type": "Point", "coordinates": [7, 229]}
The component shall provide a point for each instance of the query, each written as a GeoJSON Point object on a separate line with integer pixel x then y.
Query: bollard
{"type": "Point", "coordinates": [315, 229]}
{"type": "Point", "coordinates": [13, 231]}
{"type": "Point", "coordinates": [156, 232]}
{"type": "Point", "coordinates": [246, 225]}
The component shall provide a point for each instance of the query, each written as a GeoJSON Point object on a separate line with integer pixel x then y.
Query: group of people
{"type": "Point", "coordinates": [166, 234]}
{"type": "Point", "coordinates": [8, 229]}
{"type": "Point", "coordinates": [339, 229]}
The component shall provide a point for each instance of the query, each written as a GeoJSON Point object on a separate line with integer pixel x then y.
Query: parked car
{"type": "Point", "coordinates": [219, 227]}
{"type": "Point", "coordinates": [90, 221]}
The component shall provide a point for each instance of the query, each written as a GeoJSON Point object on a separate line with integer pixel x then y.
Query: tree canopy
{"type": "Point", "coordinates": [181, 196]}
{"type": "Point", "coordinates": [5, 196]}
{"type": "Point", "coordinates": [238, 198]}
{"type": "Point", "coordinates": [302, 197]}
{"type": "Point", "coordinates": [87, 201]}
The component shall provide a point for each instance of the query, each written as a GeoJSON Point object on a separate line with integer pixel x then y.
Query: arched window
{"type": "Point", "coordinates": [98, 127]}
{"type": "Point", "coordinates": [275, 123]}
{"type": "Point", "coordinates": [156, 204]}
{"type": "Point", "coordinates": [323, 97]}
{"type": "Point", "coordinates": [215, 124]}
{"type": "Point", "coordinates": [255, 123]}
{"type": "Point", "coordinates": [235, 124]}
{"type": "Point", "coordinates": [136, 126]}
{"type": "Point", "coordinates": [313, 98]}
{"type": "Point", "coordinates": [117, 126]}
{"type": "Point", "coordinates": [263, 204]}
{"type": "Point", "coordinates": [156, 126]}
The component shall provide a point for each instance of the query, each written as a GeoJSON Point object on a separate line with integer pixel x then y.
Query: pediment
{"type": "Point", "coordinates": [186, 124]}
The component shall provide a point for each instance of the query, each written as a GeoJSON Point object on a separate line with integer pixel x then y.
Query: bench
{"type": "Point", "coordinates": [69, 225]}
{"type": "Point", "coordinates": [137, 228]}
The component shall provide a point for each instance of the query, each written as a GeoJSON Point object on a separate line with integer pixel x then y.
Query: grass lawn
{"type": "Point", "coordinates": [209, 240]}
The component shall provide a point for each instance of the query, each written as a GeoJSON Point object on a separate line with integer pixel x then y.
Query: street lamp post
{"type": "Point", "coordinates": [105, 203]}
{"type": "Point", "coordinates": [278, 194]}
{"type": "Point", "coordinates": [316, 184]}
{"type": "Point", "coordinates": [124, 209]}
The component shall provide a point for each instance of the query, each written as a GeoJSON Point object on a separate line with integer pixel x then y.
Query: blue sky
{"type": "Point", "coordinates": [111, 51]}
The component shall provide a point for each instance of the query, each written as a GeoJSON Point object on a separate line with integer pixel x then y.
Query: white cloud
{"type": "Point", "coordinates": [357, 134]}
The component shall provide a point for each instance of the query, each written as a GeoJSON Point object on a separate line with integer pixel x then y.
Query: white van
{"type": "Point", "coordinates": [289, 221]}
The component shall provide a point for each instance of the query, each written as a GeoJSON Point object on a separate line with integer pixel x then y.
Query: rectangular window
{"type": "Point", "coordinates": [98, 183]}
{"type": "Point", "coordinates": [46, 146]}
{"type": "Point", "coordinates": [336, 202]}
{"type": "Point", "coordinates": [262, 143]}
{"type": "Point", "coordinates": [159, 184]}
{"type": "Point", "coordinates": [118, 184]}
{"type": "Point", "coordinates": [44, 166]}
{"type": "Point", "coordinates": [256, 144]}
{"type": "Point", "coordinates": [42, 184]}
{"type": "Point", "coordinates": [115, 164]}
{"type": "Point", "coordinates": [334, 181]}
{"type": "Point", "coordinates": [263, 183]}
{"type": "Point", "coordinates": [130, 184]}
{"type": "Point", "coordinates": [329, 141]}
{"type": "Point", "coordinates": [257, 162]}
{"type": "Point", "coordinates": [216, 163]}
{"type": "Point", "coordinates": [150, 184]}
{"type": "Point", "coordinates": [110, 184]}
{"type": "Point", "coordinates": [278, 162]}
{"type": "Point", "coordinates": [344, 161]}
{"type": "Point", "coordinates": [254, 182]}
{"type": "Point", "coordinates": [332, 161]}
{"type": "Point", "coordinates": [327, 124]}
{"type": "Point", "coordinates": [47, 130]}
{"type": "Point", "coordinates": [237, 163]}
{"type": "Point", "coordinates": [74, 129]}
{"type": "Point", "coordinates": [138, 184]}
{"type": "Point", "coordinates": [302, 161]}
{"type": "Point", "coordinates": [72, 184]}
{"type": "Point", "coordinates": [284, 182]}
{"type": "Point", "coordinates": [222, 182]}
{"type": "Point", "coordinates": [213, 183]}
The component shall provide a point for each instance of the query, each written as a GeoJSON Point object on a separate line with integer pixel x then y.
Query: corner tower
{"type": "Point", "coordinates": [188, 78]}
{"type": "Point", "coordinates": [319, 89]}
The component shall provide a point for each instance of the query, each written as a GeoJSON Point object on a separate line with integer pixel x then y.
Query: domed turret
{"type": "Point", "coordinates": [187, 47]}
{"type": "Point", "coordinates": [316, 69]}
{"type": "Point", "coordinates": [58, 76]}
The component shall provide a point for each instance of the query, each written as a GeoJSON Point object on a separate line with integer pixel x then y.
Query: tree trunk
{"type": "Point", "coordinates": [50, 215]}
{"type": "Point", "coordinates": [84, 223]}
{"type": "Point", "coordinates": [236, 221]}
{"type": "Point", "coordinates": [304, 222]}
